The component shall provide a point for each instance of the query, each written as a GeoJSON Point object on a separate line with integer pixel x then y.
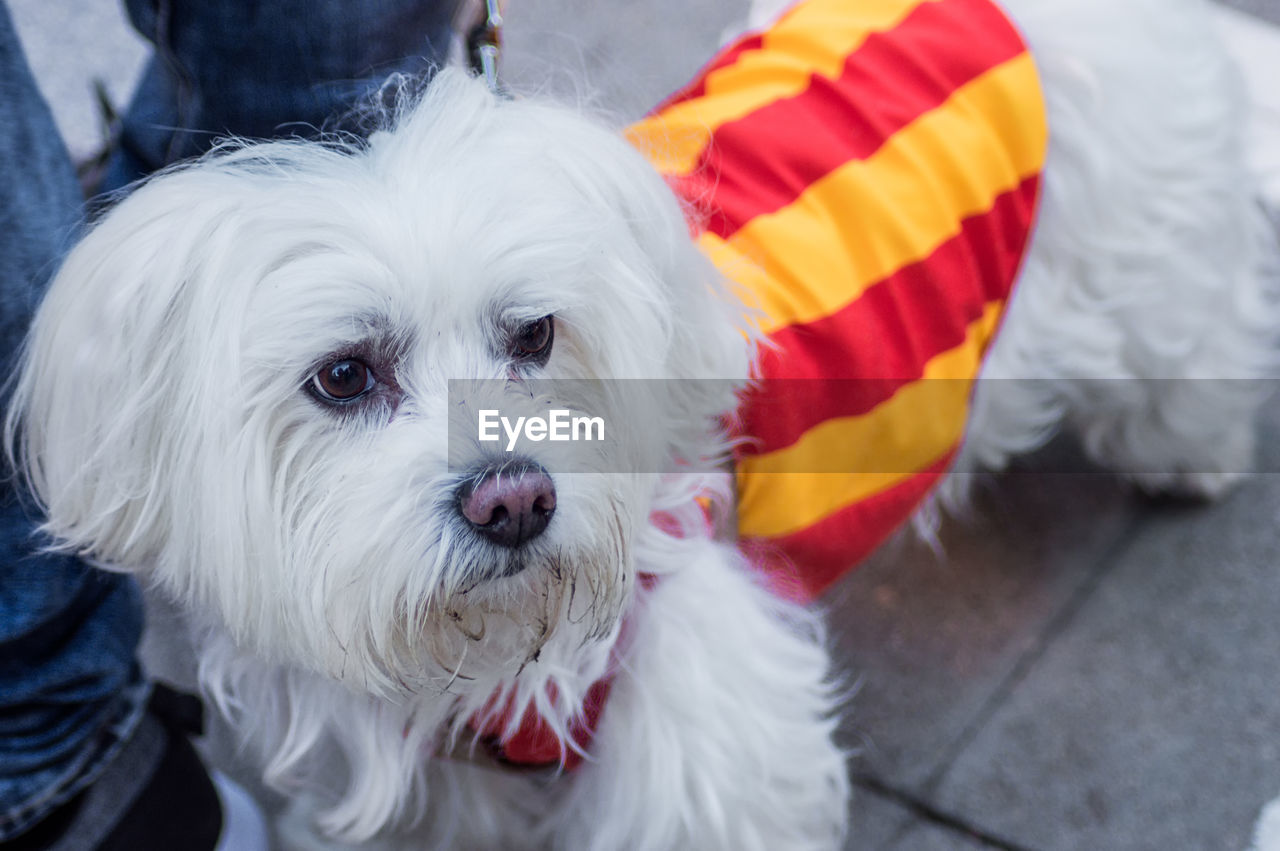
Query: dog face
{"type": "Point", "coordinates": [239, 381]}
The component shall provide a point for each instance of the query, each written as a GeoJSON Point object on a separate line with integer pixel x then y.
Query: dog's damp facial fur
{"type": "Point", "coordinates": [179, 429]}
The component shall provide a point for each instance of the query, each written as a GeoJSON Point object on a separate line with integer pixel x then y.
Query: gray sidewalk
{"type": "Point", "coordinates": [1082, 669]}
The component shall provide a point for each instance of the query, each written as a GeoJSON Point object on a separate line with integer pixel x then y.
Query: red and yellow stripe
{"type": "Point", "coordinates": [867, 173]}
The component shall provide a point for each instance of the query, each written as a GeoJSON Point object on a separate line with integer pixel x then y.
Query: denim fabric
{"type": "Point", "coordinates": [265, 69]}
{"type": "Point", "coordinates": [70, 688]}
{"type": "Point", "coordinates": [71, 692]}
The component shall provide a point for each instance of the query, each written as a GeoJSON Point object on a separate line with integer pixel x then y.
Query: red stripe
{"type": "Point", "coordinates": [847, 363]}
{"type": "Point", "coordinates": [804, 564]}
{"type": "Point", "coordinates": [727, 56]}
{"type": "Point", "coordinates": [763, 161]}
{"type": "Point", "coordinates": [724, 59]}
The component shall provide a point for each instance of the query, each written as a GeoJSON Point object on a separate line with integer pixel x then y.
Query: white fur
{"type": "Point", "coordinates": [161, 419]}
{"type": "Point", "coordinates": [1143, 318]}
{"type": "Point", "coordinates": [1266, 833]}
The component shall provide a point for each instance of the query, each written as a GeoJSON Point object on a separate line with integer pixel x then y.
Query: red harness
{"type": "Point", "coordinates": [535, 746]}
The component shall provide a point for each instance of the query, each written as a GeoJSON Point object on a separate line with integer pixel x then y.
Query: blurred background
{"type": "Point", "coordinates": [1076, 668]}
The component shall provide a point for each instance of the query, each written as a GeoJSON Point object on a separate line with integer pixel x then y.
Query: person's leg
{"type": "Point", "coordinates": [90, 756]}
{"type": "Point", "coordinates": [82, 748]}
{"type": "Point", "coordinates": [71, 691]}
{"type": "Point", "coordinates": [266, 70]}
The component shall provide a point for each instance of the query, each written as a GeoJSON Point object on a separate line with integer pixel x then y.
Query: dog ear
{"type": "Point", "coordinates": [709, 341]}
{"type": "Point", "coordinates": [105, 353]}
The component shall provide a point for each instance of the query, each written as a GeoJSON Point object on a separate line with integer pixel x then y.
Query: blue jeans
{"type": "Point", "coordinates": [71, 690]}
{"type": "Point", "coordinates": [70, 687]}
{"type": "Point", "coordinates": [266, 69]}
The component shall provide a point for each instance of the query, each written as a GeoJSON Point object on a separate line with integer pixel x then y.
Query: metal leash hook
{"type": "Point", "coordinates": [484, 44]}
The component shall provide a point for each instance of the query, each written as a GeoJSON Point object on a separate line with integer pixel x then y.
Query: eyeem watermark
{"type": "Point", "coordinates": [558, 425]}
{"type": "Point", "coordinates": [782, 426]}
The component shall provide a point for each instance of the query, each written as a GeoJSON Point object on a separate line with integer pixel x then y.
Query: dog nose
{"type": "Point", "coordinates": [509, 506]}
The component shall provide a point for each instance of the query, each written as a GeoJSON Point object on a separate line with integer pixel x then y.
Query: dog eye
{"type": "Point", "coordinates": [533, 341]}
{"type": "Point", "coordinates": [343, 380]}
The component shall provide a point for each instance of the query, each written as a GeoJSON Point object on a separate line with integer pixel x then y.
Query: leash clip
{"type": "Point", "coordinates": [484, 44]}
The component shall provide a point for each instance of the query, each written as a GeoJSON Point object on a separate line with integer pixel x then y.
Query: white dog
{"type": "Point", "coordinates": [237, 386]}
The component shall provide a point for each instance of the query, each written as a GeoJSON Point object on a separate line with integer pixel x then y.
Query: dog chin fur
{"type": "Point", "coordinates": [348, 627]}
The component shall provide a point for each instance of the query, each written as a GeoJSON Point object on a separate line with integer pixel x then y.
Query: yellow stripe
{"type": "Point", "coordinates": [814, 39]}
{"type": "Point", "coordinates": [903, 435]}
{"type": "Point", "coordinates": [811, 258]}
